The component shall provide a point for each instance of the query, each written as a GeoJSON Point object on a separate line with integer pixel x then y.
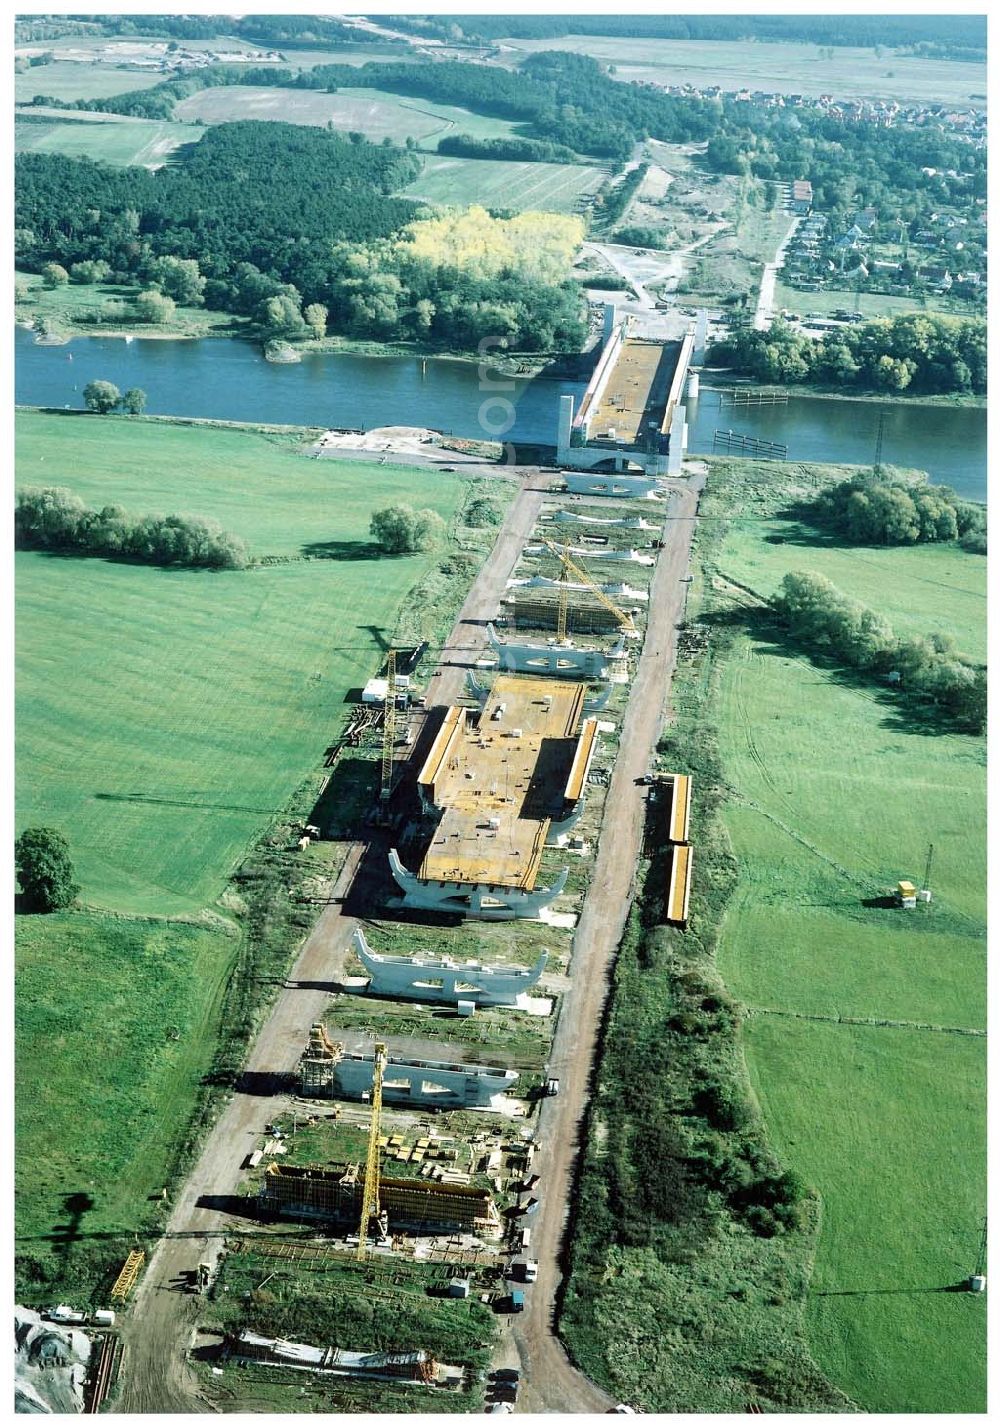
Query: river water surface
{"type": "Point", "coordinates": [228, 379]}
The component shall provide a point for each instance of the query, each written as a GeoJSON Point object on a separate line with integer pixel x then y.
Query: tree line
{"type": "Point", "coordinates": [854, 30]}
{"type": "Point", "coordinates": [511, 149]}
{"type": "Point", "coordinates": [930, 355]}
{"type": "Point", "coordinates": [875, 508]}
{"type": "Point", "coordinates": [54, 519]}
{"type": "Point", "coordinates": [928, 670]}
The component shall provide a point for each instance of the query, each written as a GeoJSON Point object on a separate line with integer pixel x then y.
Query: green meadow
{"type": "Point", "coordinates": [116, 1024]}
{"type": "Point", "coordinates": [165, 716]}
{"type": "Point", "coordinates": [495, 183]}
{"type": "Point", "coordinates": [164, 721]}
{"type": "Point", "coordinates": [375, 113]}
{"type": "Point", "coordinates": [145, 142]}
{"type": "Point", "coordinates": [836, 797]}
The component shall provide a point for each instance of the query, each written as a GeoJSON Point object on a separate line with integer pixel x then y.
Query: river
{"type": "Point", "coordinates": [227, 379]}
{"type": "Point", "coordinates": [949, 442]}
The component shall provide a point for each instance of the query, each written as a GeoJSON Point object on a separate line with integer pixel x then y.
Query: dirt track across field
{"type": "Point", "coordinates": [160, 1325]}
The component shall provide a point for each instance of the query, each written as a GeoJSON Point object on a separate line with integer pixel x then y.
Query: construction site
{"type": "Point", "coordinates": [631, 418]}
{"type": "Point", "coordinates": [406, 1145]}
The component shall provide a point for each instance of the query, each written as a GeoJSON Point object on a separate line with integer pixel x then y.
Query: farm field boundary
{"type": "Point", "coordinates": [544, 187]}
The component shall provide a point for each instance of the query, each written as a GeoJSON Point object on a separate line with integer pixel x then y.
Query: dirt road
{"type": "Point", "coordinates": [157, 1331]}
{"type": "Point", "coordinates": [551, 1383]}
{"type": "Point", "coordinates": [764, 314]}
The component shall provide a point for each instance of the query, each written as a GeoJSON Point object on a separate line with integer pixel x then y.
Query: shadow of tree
{"type": "Point", "coordinates": [342, 550]}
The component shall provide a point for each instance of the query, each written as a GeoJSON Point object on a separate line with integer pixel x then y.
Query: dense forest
{"type": "Point", "coordinates": [860, 30]}
{"type": "Point", "coordinates": [915, 353]}
{"type": "Point", "coordinates": [255, 205]}
{"type": "Point", "coordinates": [295, 228]}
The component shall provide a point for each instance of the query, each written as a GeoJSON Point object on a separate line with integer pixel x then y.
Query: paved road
{"type": "Point", "coordinates": [551, 1384]}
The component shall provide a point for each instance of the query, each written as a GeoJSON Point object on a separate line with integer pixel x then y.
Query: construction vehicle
{"type": "Point", "coordinates": [625, 621]}
{"type": "Point", "coordinates": [371, 1209]}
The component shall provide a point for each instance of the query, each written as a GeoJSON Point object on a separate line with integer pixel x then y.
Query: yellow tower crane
{"type": "Point", "coordinates": [625, 621]}
{"type": "Point", "coordinates": [388, 729]}
{"type": "Point", "coordinates": [371, 1207]}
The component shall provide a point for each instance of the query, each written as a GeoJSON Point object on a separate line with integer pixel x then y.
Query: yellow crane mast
{"type": "Point", "coordinates": [370, 1202]}
{"type": "Point", "coordinates": [388, 728]}
{"type": "Point", "coordinates": [625, 621]}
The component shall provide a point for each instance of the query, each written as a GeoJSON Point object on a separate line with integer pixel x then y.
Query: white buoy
{"type": "Point", "coordinates": [692, 390]}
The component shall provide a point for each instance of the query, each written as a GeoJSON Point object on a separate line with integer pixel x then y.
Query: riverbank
{"type": "Point", "coordinates": [725, 378]}
{"type": "Point", "coordinates": [62, 308]}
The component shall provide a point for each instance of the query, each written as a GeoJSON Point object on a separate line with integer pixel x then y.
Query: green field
{"type": "Point", "coordinates": [777, 68]}
{"type": "Point", "coordinates": [836, 798]}
{"type": "Point", "coordinates": [872, 304]}
{"type": "Point", "coordinates": [65, 305]}
{"type": "Point", "coordinates": [123, 141]}
{"type": "Point", "coordinates": [376, 114]}
{"type": "Point", "coordinates": [919, 588]}
{"type": "Point", "coordinates": [544, 187]}
{"type": "Point", "coordinates": [165, 716]}
{"type": "Point", "coordinates": [115, 1028]}
{"type": "Point", "coordinates": [65, 79]}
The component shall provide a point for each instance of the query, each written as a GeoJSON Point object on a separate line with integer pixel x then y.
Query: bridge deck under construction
{"type": "Point", "coordinates": [501, 782]}
{"type": "Point", "coordinates": [636, 396]}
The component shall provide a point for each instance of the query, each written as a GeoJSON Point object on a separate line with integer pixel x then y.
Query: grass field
{"type": "Point", "coordinates": [836, 798]}
{"type": "Point", "coordinates": [145, 142]}
{"type": "Point", "coordinates": [65, 79]}
{"type": "Point", "coordinates": [103, 1120]}
{"type": "Point", "coordinates": [372, 112]}
{"type": "Point", "coordinates": [872, 304]}
{"type": "Point", "coordinates": [779, 68]}
{"type": "Point", "coordinates": [165, 716]}
{"type": "Point", "coordinates": [919, 588]}
{"type": "Point", "coordinates": [64, 306]}
{"type": "Point", "coordinates": [545, 187]}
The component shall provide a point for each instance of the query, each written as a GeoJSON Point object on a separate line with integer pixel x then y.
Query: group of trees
{"type": "Point", "coordinates": [103, 397]}
{"type": "Point", "coordinates": [875, 508]}
{"type": "Point", "coordinates": [401, 530]}
{"type": "Point", "coordinates": [917, 353]}
{"type": "Point", "coordinates": [54, 519]}
{"type": "Point", "coordinates": [929, 670]}
{"type": "Point", "coordinates": [512, 149]}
